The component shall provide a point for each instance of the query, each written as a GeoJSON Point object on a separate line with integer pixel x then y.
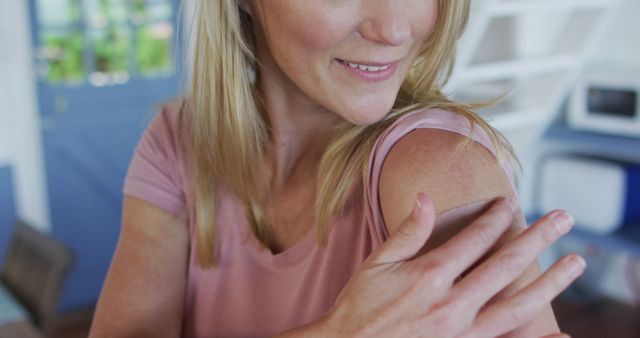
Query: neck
{"type": "Point", "coordinates": [300, 129]}
{"type": "Point", "coordinates": [299, 137]}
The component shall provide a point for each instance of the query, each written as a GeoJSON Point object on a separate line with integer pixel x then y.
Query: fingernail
{"type": "Point", "coordinates": [577, 265]}
{"type": "Point", "coordinates": [513, 203]}
{"type": "Point", "coordinates": [562, 220]}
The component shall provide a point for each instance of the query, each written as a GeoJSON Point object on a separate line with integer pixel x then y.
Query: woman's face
{"type": "Point", "coordinates": [348, 56]}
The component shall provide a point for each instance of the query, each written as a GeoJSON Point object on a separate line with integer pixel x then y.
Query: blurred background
{"type": "Point", "coordinates": [80, 79]}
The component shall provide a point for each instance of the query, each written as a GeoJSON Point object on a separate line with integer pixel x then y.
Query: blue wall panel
{"type": "Point", "coordinates": [87, 151]}
{"type": "Point", "coordinates": [7, 210]}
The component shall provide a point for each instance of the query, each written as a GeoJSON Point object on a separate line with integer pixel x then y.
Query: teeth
{"type": "Point", "coordinates": [367, 68]}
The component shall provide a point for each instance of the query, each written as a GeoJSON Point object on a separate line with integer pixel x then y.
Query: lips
{"type": "Point", "coordinates": [369, 71]}
{"type": "Point", "coordinates": [367, 66]}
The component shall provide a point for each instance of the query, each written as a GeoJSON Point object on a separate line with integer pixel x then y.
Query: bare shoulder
{"type": "Point", "coordinates": [444, 165]}
{"type": "Point", "coordinates": [433, 161]}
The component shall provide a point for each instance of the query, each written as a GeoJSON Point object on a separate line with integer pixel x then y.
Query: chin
{"type": "Point", "coordinates": [367, 113]}
{"type": "Point", "coordinates": [365, 117]}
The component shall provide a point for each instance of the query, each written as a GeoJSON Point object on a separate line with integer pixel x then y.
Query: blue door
{"type": "Point", "coordinates": [7, 210]}
{"type": "Point", "coordinates": [102, 67]}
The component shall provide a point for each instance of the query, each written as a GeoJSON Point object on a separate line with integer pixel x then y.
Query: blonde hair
{"type": "Point", "coordinates": [229, 132]}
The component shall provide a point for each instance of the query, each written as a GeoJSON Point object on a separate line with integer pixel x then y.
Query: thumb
{"type": "Point", "coordinates": [411, 234]}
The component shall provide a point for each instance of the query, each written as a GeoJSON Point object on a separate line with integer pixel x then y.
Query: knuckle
{"type": "Point", "coordinates": [454, 306]}
{"type": "Point", "coordinates": [549, 234]}
{"type": "Point", "coordinates": [511, 264]}
{"type": "Point", "coordinates": [437, 282]}
{"type": "Point", "coordinates": [501, 205]}
{"type": "Point", "coordinates": [504, 209]}
{"type": "Point", "coordinates": [519, 313]}
{"type": "Point", "coordinates": [401, 231]}
{"type": "Point", "coordinates": [434, 266]}
{"type": "Point", "coordinates": [433, 281]}
{"type": "Point", "coordinates": [495, 218]}
{"type": "Point", "coordinates": [404, 233]}
{"type": "Point", "coordinates": [559, 282]}
{"type": "Point", "coordinates": [453, 313]}
{"type": "Point", "coordinates": [443, 315]}
{"type": "Point", "coordinates": [483, 236]}
{"type": "Point", "coordinates": [435, 274]}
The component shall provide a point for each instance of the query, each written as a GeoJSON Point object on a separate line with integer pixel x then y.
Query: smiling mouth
{"type": "Point", "coordinates": [368, 71]}
{"type": "Point", "coordinates": [367, 67]}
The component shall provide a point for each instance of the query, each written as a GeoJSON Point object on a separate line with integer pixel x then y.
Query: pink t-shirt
{"type": "Point", "coordinates": [252, 292]}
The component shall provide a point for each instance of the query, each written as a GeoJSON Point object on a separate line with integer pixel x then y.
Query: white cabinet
{"type": "Point", "coordinates": [531, 49]}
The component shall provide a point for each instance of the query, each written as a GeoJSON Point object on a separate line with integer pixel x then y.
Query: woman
{"type": "Point", "coordinates": [262, 202]}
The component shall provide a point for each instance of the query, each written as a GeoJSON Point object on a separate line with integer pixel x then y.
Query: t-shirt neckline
{"type": "Point", "coordinates": [287, 258]}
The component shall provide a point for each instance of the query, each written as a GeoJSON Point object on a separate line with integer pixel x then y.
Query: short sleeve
{"type": "Point", "coordinates": [427, 118]}
{"type": "Point", "coordinates": [154, 173]}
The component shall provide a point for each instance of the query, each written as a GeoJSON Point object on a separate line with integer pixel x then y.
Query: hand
{"type": "Point", "coordinates": [398, 294]}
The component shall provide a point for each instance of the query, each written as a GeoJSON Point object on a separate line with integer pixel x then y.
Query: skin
{"type": "Point", "coordinates": [304, 88]}
{"type": "Point", "coordinates": [455, 179]}
{"type": "Point", "coordinates": [307, 91]}
{"type": "Point", "coordinates": [305, 94]}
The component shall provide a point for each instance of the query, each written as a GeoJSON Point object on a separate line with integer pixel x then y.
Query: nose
{"type": "Point", "coordinates": [386, 22]}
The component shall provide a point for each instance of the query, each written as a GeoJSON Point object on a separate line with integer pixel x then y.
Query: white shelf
{"type": "Point", "coordinates": [518, 68]}
{"type": "Point", "coordinates": [506, 121]}
{"type": "Point", "coordinates": [519, 43]}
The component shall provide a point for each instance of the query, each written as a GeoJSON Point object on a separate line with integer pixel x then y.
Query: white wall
{"type": "Point", "coordinates": [621, 43]}
{"type": "Point", "coordinates": [20, 143]}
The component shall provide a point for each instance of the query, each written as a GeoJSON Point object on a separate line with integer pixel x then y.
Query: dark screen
{"type": "Point", "coordinates": [616, 102]}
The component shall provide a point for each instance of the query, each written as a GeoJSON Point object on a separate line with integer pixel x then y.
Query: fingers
{"type": "Point", "coordinates": [510, 261]}
{"type": "Point", "coordinates": [410, 236]}
{"type": "Point", "coordinates": [466, 248]}
{"type": "Point", "coordinates": [520, 308]}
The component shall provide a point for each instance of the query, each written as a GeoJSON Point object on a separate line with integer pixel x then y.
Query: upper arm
{"type": "Point", "coordinates": [143, 294]}
{"type": "Point", "coordinates": [432, 161]}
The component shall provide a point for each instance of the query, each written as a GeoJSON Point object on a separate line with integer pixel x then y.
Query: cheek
{"type": "Point", "coordinates": [424, 19]}
{"type": "Point", "coordinates": [314, 39]}
{"type": "Point", "coordinates": [299, 33]}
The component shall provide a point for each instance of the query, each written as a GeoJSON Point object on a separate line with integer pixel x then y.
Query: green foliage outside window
{"type": "Point", "coordinates": [154, 52]}
{"type": "Point", "coordinates": [139, 8]}
{"type": "Point", "coordinates": [112, 44]}
{"type": "Point", "coordinates": [111, 50]}
{"type": "Point", "coordinates": [74, 11]}
{"type": "Point", "coordinates": [65, 57]}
